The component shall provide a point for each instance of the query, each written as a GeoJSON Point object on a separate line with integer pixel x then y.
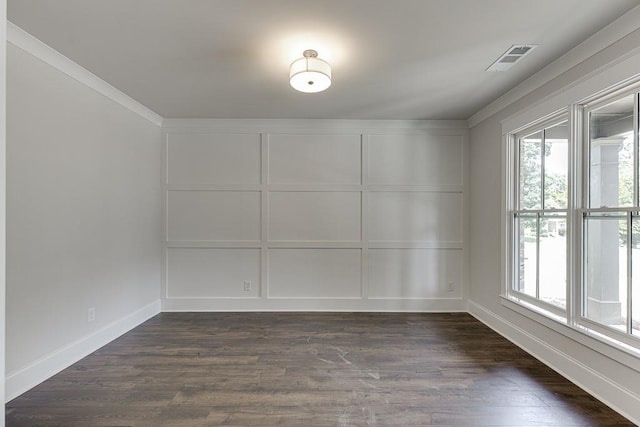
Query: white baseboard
{"type": "Point", "coordinates": [619, 398]}
{"type": "Point", "coordinates": [446, 305]}
{"type": "Point", "coordinates": [20, 381]}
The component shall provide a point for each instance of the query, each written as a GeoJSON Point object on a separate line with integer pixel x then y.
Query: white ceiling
{"type": "Point", "coordinates": [392, 59]}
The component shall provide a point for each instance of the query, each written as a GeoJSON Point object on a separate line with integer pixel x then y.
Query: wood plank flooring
{"type": "Point", "coordinates": [309, 369]}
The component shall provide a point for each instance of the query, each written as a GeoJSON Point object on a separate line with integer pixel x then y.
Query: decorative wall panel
{"type": "Point", "coordinates": [317, 216]}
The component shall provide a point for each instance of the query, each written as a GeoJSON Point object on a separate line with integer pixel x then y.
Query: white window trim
{"type": "Point", "coordinates": [511, 196]}
{"type": "Point", "coordinates": [614, 78]}
{"type": "Point", "coordinates": [584, 202]}
{"type": "Point", "coordinates": [616, 350]}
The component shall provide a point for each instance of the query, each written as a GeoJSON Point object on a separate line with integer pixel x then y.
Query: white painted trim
{"type": "Point", "coordinates": [264, 219]}
{"type": "Point", "coordinates": [610, 34]}
{"type": "Point", "coordinates": [25, 41]}
{"type": "Point", "coordinates": [618, 351]}
{"type": "Point", "coordinates": [365, 142]}
{"type": "Point", "coordinates": [466, 218]}
{"type": "Point", "coordinates": [317, 187]}
{"type": "Point", "coordinates": [415, 244]}
{"type": "Point", "coordinates": [311, 126]}
{"type": "Point", "coordinates": [435, 305]}
{"type": "Point", "coordinates": [164, 208]}
{"type": "Point", "coordinates": [619, 398]}
{"type": "Point", "coordinates": [33, 374]}
{"type": "Point", "coordinates": [315, 244]}
{"type": "Point", "coordinates": [3, 196]}
{"type": "Point", "coordinates": [623, 71]}
{"type": "Point", "coordinates": [364, 129]}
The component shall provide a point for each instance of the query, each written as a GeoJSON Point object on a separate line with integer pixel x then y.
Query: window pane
{"type": "Point", "coordinates": [527, 253]}
{"type": "Point", "coordinates": [531, 171]}
{"type": "Point", "coordinates": [612, 153]}
{"type": "Point", "coordinates": [553, 261]}
{"type": "Point", "coordinates": [635, 278]}
{"type": "Point", "coordinates": [606, 270]}
{"type": "Point", "coordinates": [556, 164]}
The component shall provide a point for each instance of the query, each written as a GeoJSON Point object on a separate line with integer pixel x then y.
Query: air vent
{"type": "Point", "coordinates": [514, 54]}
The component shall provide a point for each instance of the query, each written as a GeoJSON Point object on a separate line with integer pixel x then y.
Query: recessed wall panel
{"type": "Point", "coordinates": [213, 215]}
{"type": "Point", "coordinates": [415, 273]}
{"type": "Point", "coordinates": [314, 159]}
{"type": "Point", "coordinates": [416, 160]}
{"type": "Point", "coordinates": [415, 216]}
{"type": "Point", "coordinates": [214, 159]}
{"type": "Point", "coordinates": [314, 216]}
{"type": "Point", "coordinates": [314, 273]}
{"type": "Point", "coordinates": [212, 273]}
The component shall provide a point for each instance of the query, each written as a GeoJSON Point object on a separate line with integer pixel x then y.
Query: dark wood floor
{"type": "Point", "coordinates": [309, 369]}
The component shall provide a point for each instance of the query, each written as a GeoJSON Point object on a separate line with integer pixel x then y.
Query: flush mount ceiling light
{"type": "Point", "coordinates": [310, 74]}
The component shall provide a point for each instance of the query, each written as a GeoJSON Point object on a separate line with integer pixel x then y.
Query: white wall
{"type": "Point", "coordinates": [3, 93]}
{"type": "Point", "coordinates": [83, 216]}
{"type": "Point", "coordinates": [317, 215]}
{"type": "Point", "coordinates": [610, 374]}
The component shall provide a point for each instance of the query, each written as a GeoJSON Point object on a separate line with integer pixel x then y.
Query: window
{"type": "Point", "coordinates": [611, 219]}
{"type": "Point", "coordinates": [540, 214]}
{"type": "Point", "coordinates": [573, 217]}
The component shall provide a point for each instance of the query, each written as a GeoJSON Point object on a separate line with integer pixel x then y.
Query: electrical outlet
{"type": "Point", "coordinates": [91, 314]}
{"type": "Point", "coordinates": [451, 287]}
{"type": "Point", "coordinates": [247, 285]}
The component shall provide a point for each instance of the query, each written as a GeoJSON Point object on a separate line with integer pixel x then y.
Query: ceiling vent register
{"type": "Point", "coordinates": [514, 54]}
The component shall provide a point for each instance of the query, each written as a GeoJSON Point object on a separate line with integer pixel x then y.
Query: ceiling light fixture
{"type": "Point", "coordinates": [310, 74]}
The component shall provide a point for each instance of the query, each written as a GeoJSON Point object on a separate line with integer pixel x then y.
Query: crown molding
{"type": "Point", "coordinates": [314, 125]}
{"type": "Point", "coordinates": [25, 41]}
{"type": "Point", "coordinates": [607, 36]}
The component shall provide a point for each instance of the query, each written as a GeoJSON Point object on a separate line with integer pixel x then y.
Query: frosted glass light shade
{"type": "Point", "coordinates": [310, 74]}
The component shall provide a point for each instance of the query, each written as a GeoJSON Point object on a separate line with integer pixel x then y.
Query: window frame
{"type": "Point", "coordinates": [584, 210]}
{"type": "Point", "coordinates": [514, 210]}
{"type": "Point", "coordinates": [570, 322]}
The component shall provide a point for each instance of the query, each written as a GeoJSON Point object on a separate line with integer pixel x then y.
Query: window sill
{"type": "Point", "coordinates": [609, 347]}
